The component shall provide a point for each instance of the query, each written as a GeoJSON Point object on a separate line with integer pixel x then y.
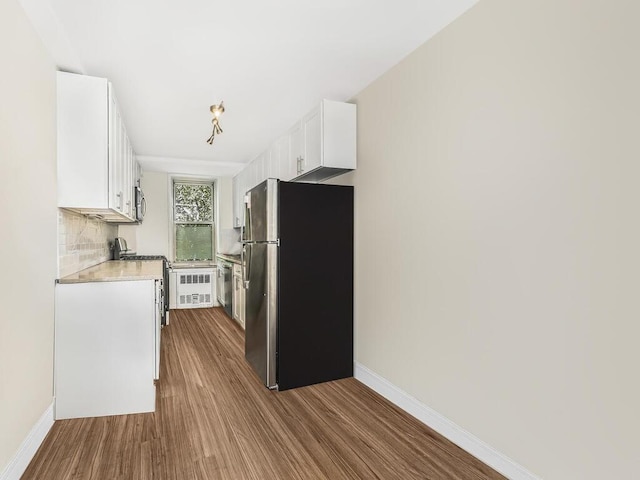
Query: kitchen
{"type": "Point", "coordinates": [495, 234]}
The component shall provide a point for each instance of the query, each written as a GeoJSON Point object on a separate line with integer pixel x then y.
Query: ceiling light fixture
{"type": "Point", "coordinates": [216, 110]}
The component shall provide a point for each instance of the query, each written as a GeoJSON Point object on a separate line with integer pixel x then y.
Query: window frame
{"type": "Point", "coordinates": [172, 215]}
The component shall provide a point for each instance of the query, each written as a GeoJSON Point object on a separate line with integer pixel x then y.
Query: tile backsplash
{"type": "Point", "coordinates": [82, 242]}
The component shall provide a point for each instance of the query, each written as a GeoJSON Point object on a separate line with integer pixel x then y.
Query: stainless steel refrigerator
{"type": "Point", "coordinates": [298, 256]}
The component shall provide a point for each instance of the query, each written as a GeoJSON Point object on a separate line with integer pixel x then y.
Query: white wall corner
{"type": "Point", "coordinates": [53, 36]}
{"type": "Point", "coordinates": [443, 425]}
{"type": "Point", "coordinates": [19, 463]}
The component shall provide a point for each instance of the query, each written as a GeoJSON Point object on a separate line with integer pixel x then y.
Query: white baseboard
{"type": "Point", "coordinates": [19, 463]}
{"type": "Point", "coordinates": [443, 425]}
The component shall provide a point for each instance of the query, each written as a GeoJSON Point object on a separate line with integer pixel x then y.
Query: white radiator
{"type": "Point", "coordinates": [193, 288]}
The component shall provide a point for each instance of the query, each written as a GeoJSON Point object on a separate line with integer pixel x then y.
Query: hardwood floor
{"type": "Point", "coordinates": [215, 420]}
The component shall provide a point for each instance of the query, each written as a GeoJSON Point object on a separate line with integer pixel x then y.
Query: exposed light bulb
{"type": "Point", "coordinates": [216, 110]}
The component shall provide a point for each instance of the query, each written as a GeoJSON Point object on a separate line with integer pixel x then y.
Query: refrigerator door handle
{"type": "Point", "coordinates": [247, 266]}
{"type": "Point", "coordinates": [247, 231]}
{"type": "Point", "coordinates": [242, 264]}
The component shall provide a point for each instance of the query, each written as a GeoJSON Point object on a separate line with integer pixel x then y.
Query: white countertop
{"type": "Point", "coordinates": [117, 270]}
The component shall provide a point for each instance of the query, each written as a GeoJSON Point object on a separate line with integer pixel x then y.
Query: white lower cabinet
{"type": "Point", "coordinates": [238, 295]}
{"type": "Point", "coordinates": [107, 348]}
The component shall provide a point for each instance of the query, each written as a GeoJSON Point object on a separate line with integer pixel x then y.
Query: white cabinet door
{"type": "Point", "coordinates": [285, 172]}
{"type": "Point", "coordinates": [296, 148]}
{"type": "Point", "coordinates": [250, 176]}
{"type": "Point", "coordinates": [261, 167]}
{"type": "Point", "coordinates": [159, 307]}
{"type": "Point", "coordinates": [135, 182]}
{"type": "Point", "coordinates": [273, 161]}
{"type": "Point", "coordinates": [338, 135]}
{"type": "Point", "coordinates": [120, 166]}
{"type": "Point", "coordinates": [238, 189]}
{"type": "Point", "coordinates": [114, 153]}
{"type": "Point", "coordinates": [128, 179]}
{"type": "Point", "coordinates": [82, 144]}
{"type": "Point", "coordinates": [94, 153]}
{"type": "Point", "coordinates": [235, 189]}
{"type": "Point", "coordinates": [312, 147]}
{"type": "Point", "coordinates": [104, 348]}
{"type": "Point", "coordinates": [238, 295]}
{"type": "Point", "coordinates": [242, 188]}
{"type": "Point", "coordinates": [256, 169]}
{"type": "Point", "coordinates": [117, 153]}
{"type": "Point", "coordinates": [329, 141]}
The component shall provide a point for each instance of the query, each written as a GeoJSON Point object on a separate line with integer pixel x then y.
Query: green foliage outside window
{"type": "Point", "coordinates": [193, 202]}
{"type": "Point", "coordinates": [193, 218]}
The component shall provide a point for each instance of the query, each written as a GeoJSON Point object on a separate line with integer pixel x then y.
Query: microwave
{"type": "Point", "coordinates": [141, 205]}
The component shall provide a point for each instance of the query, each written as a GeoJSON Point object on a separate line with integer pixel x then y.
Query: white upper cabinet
{"type": "Point", "coordinates": [251, 179]}
{"type": "Point", "coordinates": [328, 142]}
{"type": "Point", "coordinates": [311, 156]}
{"type": "Point", "coordinates": [259, 169]}
{"type": "Point", "coordinates": [240, 185]}
{"type": "Point", "coordinates": [286, 167]}
{"type": "Point", "coordinates": [296, 150]}
{"type": "Point", "coordinates": [273, 161]}
{"type": "Point", "coordinates": [239, 189]}
{"type": "Point", "coordinates": [96, 163]}
{"type": "Point", "coordinates": [235, 188]}
{"type": "Point", "coordinates": [320, 146]}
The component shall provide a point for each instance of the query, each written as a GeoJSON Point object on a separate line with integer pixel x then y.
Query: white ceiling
{"type": "Point", "coordinates": [269, 60]}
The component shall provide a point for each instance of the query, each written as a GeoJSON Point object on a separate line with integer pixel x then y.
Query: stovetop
{"type": "Point", "coordinates": [143, 257]}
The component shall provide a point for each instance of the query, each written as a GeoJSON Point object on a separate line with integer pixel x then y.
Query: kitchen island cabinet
{"type": "Point", "coordinates": [107, 341]}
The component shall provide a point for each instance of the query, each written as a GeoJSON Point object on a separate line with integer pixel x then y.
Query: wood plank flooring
{"type": "Point", "coordinates": [215, 420]}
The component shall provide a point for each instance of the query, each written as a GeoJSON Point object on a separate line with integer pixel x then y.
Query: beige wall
{"type": "Point", "coordinates": [28, 239]}
{"type": "Point", "coordinates": [497, 231]}
{"type": "Point", "coordinates": [152, 236]}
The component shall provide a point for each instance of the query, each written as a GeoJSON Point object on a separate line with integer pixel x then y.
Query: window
{"type": "Point", "coordinates": [193, 221]}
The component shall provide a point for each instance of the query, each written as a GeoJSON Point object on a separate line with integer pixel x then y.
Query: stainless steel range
{"type": "Point", "coordinates": [123, 253]}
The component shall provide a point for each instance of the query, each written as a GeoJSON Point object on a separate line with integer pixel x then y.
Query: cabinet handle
{"type": "Point", "coordinates": [119, 197]}
{"type": "Point", "coordinates": [301, 164]}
